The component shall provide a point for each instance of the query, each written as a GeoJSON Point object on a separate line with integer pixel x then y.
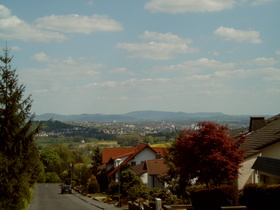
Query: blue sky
{"type": "Point", "coordinates": [117, 56]}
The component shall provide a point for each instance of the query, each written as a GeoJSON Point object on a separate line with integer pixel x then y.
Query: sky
{"type": "Point", "coordinates": [118, 56]}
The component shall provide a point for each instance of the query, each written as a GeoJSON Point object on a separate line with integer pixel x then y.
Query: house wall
{"type": "Point", "coordinates": [247, 174]}
{"type": "Point", "coordinates": [145, 154]}
{"type": "Point", "coordinates": [269, 178]}
{"type": "Point", "coordinates": [272, 151]}
{"type": "Point", "coordinates": [110, 165]}
{"type": "Point", "coordinates": [144, 178]}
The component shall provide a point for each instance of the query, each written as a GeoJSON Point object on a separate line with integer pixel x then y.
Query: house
{"type": "Point", "coordinates": [262, 152]}
{"type": "Point", "coordinates": [152, 172]}
{"type": "Point", "coordinates": [113, 158]}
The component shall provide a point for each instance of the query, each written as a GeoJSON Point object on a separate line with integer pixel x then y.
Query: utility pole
{"type": "Point", "coordinates": [71, 165]}
{"type": "Point", "coordinates": [118, 161]}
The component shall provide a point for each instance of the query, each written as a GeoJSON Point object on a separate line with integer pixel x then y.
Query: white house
{"type": "Point", "coordinates": [262, 157]}
{"type": "Point", "coordinates": [152, 172]}
{"type": "Point", "coordinates": [128, 155]}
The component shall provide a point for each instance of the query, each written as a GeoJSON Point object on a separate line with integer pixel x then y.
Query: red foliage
{"type": "Point", "coordinates": [210, 155]}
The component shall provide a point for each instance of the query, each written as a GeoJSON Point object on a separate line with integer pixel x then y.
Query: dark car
{"type": "Point", "coordinates": [66, 189]}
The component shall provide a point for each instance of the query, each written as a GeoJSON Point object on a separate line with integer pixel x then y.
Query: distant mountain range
{"type": "Point", "coordinates": [148, 116]}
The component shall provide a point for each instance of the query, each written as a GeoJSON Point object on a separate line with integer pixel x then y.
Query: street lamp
{"type": "Point", "coordinates": [118, 162]}
{"type": "Point", "coordinates": [71, 175]}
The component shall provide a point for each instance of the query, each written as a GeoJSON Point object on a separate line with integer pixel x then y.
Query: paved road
{"type": "Point", "coordinates": [49, 197]}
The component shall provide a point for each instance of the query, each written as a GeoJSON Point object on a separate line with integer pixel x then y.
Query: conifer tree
{"type": "Point", "coordinates": [19, 157]}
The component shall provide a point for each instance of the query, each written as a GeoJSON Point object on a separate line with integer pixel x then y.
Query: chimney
{"type": "Point", "coordinates": [256, 123]}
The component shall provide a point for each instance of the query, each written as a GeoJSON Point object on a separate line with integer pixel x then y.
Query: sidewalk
{"type": "Point", "coordinates": [97, 203]}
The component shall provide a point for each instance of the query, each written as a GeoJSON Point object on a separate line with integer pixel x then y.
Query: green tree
{"type": "Point", "coordinates": [51, 160]}
{"type": "Point", "coordinates": [66, 156]}
{"type": "Point", "coordinates": [19, 158]}
{"type": "Point", "coordinates": [97, 160]}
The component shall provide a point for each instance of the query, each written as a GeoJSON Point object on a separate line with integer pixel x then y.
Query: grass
{"type": "Point", "coordinates": [108, 143]}
{"type": "Point", "coordinates": [161, 145]}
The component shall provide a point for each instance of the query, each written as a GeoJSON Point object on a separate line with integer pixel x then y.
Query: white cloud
{"type": "Point", "coordinates": [214, 53]}
{"type": "Point", "coordinates": [47, 29]}
{"type": "Point", "coordinates": [78, 24]}
{"type": "Point", "coordinates": [41, 57]}
{"type": "Point", "coordinates": [232, 34]}
{"type": "Point", "coordinates": [274, 90]}
{"type": "Point", "coordinates": [183, 6]}
{"type": "Point", "coordinates": [277, 52]}
{"type": "Point", "coordinates": [121, 71]}
{"type": "Point", "coordinates": [168, 37]}
{"type": "Point", "coordinates": [262, 62]}
{"type": "Point", "coordinates": [163, 46]}
{"type": "Point", "coordinates": [264, 74]}
{"type": "Point", "coordinates": [4, 12]}
{"type": "Point", "coordinates": [15, 48]}
{"type": "Point", "coordinates": [60, 74]}
{"type": "Point", "coordinates": [202, 64]}
{"type": "Point", "coordinates": [13, 28]}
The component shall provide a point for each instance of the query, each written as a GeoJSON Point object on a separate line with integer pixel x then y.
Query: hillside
{"type": "Point", "coordinates": [148, 116]}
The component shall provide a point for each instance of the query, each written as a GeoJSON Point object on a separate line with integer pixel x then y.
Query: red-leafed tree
{"type": "Point", "coordinates": [208, 155]}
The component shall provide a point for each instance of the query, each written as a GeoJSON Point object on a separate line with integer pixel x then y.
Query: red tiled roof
{"type": "Point", "coordinates": [110, 154]}
{"type": "Point", "coordinates": [157, 167]}
{"type": "Point", "coordinates": [161, 150]}
{"type": "Point", "coordinates": [139, 169]}
{"type": "Point", "coordinates": [136, 150]}
{"type": "Point", "coordinates": [115, 153]}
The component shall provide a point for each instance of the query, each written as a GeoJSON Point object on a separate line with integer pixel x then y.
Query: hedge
{"type": "Point", "coordinates": [214, 198]}
{"type": "Point", "coordinates": [262, 196]}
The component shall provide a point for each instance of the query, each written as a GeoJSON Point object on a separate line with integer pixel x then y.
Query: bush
{"type": "Point", "coordinates": [214, 197]}
{"type": "Point", "coordinates": [41, 178]}
{"type": "Point", "coordinates": [138, 192]}
{"type": "Point", "coordinates": [93, 186]}
{"type": "Point", "coordinates": [52, 177]}
{"type": "Point", "coordinates": [165, 195]}
{"type": "Point", "coordinates": [262, 196]}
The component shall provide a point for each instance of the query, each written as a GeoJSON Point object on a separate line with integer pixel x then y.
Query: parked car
{"type": "Point", "coordinates": [66, 189]}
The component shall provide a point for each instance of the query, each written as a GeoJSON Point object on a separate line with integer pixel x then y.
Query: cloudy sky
{"type": "Point", "coordinates": [117, 56]}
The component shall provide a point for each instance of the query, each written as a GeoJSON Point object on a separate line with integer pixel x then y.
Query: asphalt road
{"type": "Point", "coordinates": [49, 197]}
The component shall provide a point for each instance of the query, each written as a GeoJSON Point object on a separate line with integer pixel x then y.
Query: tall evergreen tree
{"type": "Point", "coordinates": [19, 157]}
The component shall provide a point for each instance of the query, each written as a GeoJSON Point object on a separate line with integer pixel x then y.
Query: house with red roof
{"type": "Point", "coordinates": [113, 158]}
{"type": "Point", "coordinates": [262, 152]}
{"type": "Point", "coordinates": [152, 172]}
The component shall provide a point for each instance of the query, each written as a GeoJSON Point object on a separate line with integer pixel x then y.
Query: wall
{"type": "Point", "coordinates": [145, 154]}
{"type": "Point", "coordinates": [247, 175]}
{"type": "Point", "coordinates": [144, 178]}
{"type": "Point", "coordinates": [272, 151]}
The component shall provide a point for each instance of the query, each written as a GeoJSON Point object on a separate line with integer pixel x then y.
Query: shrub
{"type": "Point", "coordinates": [137, 192]}
{"type": "Point", "coordinates": [93, 186]}
{"type": "Point", "coordinates": [165, 195]}
{"type": "Point", "coordinates": [52, 177]}
{"type": "Point", "coordinates": [262, 196]}
{"type": "Point", "coordinates": [41, 178]}
{"type": "Point", "coordinates": [214, 197]}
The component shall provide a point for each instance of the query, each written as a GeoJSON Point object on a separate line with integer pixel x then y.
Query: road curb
{"type": "Point", "coordinates": [78, 195]}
